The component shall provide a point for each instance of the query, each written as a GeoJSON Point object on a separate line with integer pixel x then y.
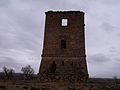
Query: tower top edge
{"type": "Point", "coordinates": [65, 12]}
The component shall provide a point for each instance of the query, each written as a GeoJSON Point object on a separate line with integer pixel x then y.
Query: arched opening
{"type": "Point", "coordinates": [62, 63]}
{"type": "Point", "coordinates": [71, 63]}
{"type": "Point", "coordinates": [53, 67]}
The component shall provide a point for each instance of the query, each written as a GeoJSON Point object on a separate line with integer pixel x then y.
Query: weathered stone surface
{"type": "Point", "coordinates": [67, 62]}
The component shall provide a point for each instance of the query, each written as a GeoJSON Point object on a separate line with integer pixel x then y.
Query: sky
{"type": "Point", "coordinates": [22, 32]}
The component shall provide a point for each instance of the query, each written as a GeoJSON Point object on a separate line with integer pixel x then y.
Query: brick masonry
{"type": "Point", "coordinates": [68, 63]}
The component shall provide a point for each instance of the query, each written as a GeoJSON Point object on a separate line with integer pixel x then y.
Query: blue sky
{"type": "Point", "coordinates": [22, 31]}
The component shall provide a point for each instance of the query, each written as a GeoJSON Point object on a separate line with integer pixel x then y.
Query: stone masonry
{"type": "Point", "coordinates": [64, 55]}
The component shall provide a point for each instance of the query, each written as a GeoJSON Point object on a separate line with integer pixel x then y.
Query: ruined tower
{"type": "Point", "coordinates": [63, 56]}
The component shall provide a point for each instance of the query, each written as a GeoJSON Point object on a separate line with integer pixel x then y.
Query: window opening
{"type": "Point", "coordinates": [63, 43]}
{"type": "Point", "coordinates": [72, 63]}
{"type": "Point", "coordinates": [62, 63]}
{"type": "Point", "coordinates": [64, 22]}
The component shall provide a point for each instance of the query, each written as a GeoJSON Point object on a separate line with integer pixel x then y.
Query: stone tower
{"type": "Point", "coordinates": [63, 55]}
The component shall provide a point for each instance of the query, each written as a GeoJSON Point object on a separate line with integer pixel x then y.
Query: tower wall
{"type": "Point", "coordinates": [64, 47]}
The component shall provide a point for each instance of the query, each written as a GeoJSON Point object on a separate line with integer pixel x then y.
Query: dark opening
{"type": "Point", "coordinates": [53, 67]}
{"type": "Point", "coordinates": [62, 63]}
{"type": "Point", "coordinates": [71, 63]}
{"type": "Point", "coordinates": [63, 43]}
{"type": "Point", "coordinates": [71, 88]}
